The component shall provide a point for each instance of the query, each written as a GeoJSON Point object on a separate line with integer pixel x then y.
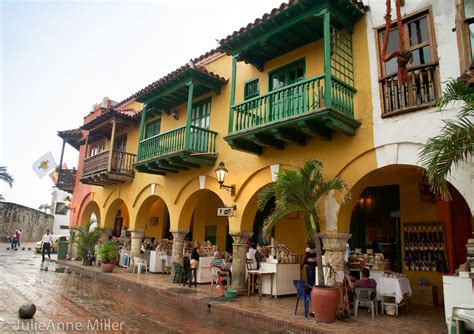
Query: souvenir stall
{"type": "Point", "coordinates": [285, 267]}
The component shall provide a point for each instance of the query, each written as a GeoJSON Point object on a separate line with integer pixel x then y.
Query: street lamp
{"type": "Point", "coordinates": [221, 173]}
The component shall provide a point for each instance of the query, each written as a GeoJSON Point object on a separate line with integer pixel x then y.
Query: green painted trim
{"type": "Point", "coordinates": [232, 93]}
{"type": "Point", "coordinates": [142, 126]}
{"type": "Point", "coordinates": [285, 68]}
{"type": "Point", "coordinates": [158, 120]}
{"type": "Point", "coordinates": [327, 59]}
{"type": "Point", "coordinates": [187, 139]}
{"type": "Point", "coordinates": [248, 82]}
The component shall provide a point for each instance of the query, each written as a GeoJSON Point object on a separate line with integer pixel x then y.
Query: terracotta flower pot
{"type": "Point", "coordinates": [107, 267]}
{"type": "Point", "coordinates": [325, 302]}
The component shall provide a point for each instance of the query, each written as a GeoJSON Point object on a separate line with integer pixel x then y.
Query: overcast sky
{"type": "Point", "coordinates": [59, 58]}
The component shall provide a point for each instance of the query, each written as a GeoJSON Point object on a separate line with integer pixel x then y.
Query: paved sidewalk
{"type": "Point", "coordinates": [269, 312]}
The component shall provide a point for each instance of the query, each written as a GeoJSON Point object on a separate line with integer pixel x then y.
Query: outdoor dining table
{"type": "Point", "coordinates": [395, 287]}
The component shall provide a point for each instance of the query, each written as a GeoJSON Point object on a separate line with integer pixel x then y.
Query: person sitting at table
{"type": "Point", "coordinates": [364, 282]}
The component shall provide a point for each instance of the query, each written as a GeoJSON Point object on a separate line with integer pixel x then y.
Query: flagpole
{"type": "Point", "coordinates": [61, 163]}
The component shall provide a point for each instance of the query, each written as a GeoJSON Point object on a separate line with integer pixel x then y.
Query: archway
{"type": "Point", "coordinates": [394, 213]}
{"type": "Point", "coordinates": [199, 217]}
{"type": "Point", "coordinates": [117, 218]}
{"type": "Point", "coordinates": [90, 212]}
{"type": "Point", "coordinates": [153, 217]}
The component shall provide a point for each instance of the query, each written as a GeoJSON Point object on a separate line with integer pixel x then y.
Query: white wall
{"type": "Point", "coordinates": [399, 138]}
{"type": "Point", "coordinates": [60, 220]}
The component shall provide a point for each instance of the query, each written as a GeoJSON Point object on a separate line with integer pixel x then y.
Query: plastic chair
{"type": "Point", "coordinates": [138, 263]}
{"type": "Point", "coordinates": [462, 316]}
{"type": "Point", "coordinates": [301, 293]}
{"type": "Point", "coordinates": [178, 273]}
{"type": "Point", "coordinates": [363, 297]}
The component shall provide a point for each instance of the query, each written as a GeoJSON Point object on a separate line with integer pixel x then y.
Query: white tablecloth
{"type": "Point", "coordinates": [166, 259]}
{"type": "Point", "coordinates": [393, 287]}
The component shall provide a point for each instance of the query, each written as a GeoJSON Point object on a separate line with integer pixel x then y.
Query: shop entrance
{"type": "Point", "coordinates": [375, 223]}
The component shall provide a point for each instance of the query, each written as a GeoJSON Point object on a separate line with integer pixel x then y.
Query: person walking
{"type": "Point", "coordinates": [13, 241]}
{"type": "Point", "coordinates": [47, 238]}
{"type": "Point", "coordinates": [18, 237]}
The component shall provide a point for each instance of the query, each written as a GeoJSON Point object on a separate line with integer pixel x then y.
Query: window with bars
{"type": "Point", "coordinates": [153, 128]}
{"type": "Point", "coordinates": [251, 89]}
{"type": "Point", "coordinates": [422, 88]}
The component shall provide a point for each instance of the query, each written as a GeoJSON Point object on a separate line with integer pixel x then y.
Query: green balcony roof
{"type": "Point", "coordinates": [172, 90]}
{"type": "Point", "coordinates": [287, 28]}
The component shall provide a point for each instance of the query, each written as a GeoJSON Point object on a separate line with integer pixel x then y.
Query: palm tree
{"type": "Point", "coordinates": [44, 207]}
{"type": "Point", "coordinates": [301, 190]}
{"type": "Point", "coordinates": [4, 176]}
{"type": "Point", "coordinates": [85, 239]}
{"type": "Point", "coordinates": [455, 143]}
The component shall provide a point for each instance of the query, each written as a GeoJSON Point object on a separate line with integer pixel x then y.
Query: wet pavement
{"type": "Point", "coordinates": [131, 303]}
{"type": "Point", "coordinates": [68, 302]}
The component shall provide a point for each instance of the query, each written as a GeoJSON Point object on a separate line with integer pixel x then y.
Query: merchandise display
{"type": "Point", "coordinates": [425, 246]}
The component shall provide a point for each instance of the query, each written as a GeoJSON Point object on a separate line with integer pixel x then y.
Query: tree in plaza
{"type": "Point", "coordinates": [301, 191]}
{"type": "Point", "coordinates": [455, 143]}
{"type": "Point", "coordinates": [6, 177]}
{"type": "Point", "coordinates": [85, 238]}
{"type": "Point", "coordinates": [44, 207]}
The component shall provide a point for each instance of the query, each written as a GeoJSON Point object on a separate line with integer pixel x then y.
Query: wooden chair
{"type": "Point", "coordinates": [252, 276]}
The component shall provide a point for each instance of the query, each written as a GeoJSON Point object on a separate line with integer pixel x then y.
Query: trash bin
{"type": "Point", "coordinates": [62, 249]}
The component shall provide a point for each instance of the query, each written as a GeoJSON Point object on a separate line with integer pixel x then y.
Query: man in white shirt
{"type": "Point", "coordinates": [47, 239]}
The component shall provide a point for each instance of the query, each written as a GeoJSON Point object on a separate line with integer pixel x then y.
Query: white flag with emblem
{"type": "Point", "coordinates": [44, 164]}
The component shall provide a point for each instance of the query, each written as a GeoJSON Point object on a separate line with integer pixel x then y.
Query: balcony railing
{"type": "Point", "coordinates": [292, 100]}
{"type": "Point", "coordinates": [420, 92]}
{"type": "Point", "coordinates": [122, 163]}
{"type": "Point", "coordinates": [67, 179]}
{"type": "Point", "coordinates": [200, 140]}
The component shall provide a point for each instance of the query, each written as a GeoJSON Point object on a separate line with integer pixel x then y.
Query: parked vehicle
{"type": "Point", "coordinates": [54, 243]}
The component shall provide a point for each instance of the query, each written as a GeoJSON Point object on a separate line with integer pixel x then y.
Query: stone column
{"type": "Point", "coordinates": [105, 233]}
{"type": "Point", "coordinates": [334, 245]}
{"type": "Point", "coordinates": [238, 259]}
{"type": "Point", "coordinates": [178, 244]}
{"type": "Point", "coordinates": [136, 242]}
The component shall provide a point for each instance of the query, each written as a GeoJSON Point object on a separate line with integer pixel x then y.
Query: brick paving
{"type": "Point", "coordinates": [151, 303]}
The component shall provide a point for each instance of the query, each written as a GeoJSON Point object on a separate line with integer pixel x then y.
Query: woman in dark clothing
{"type": "Point", "coordinates": [194, 263]}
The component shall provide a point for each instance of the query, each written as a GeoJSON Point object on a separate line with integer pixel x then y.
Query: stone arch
{"type": "Point", "coordinates": [159, 189]}
{"type": "Point", "coordinates": [250, 189]}
{"type": "Point", "coordinates": [160, 210]}
{"type": "Point", "coordinates": [111, 214]}
{"type": "Point", "coordinates": [201, 208]}
{"type": "Point", "coordinates": [193, 185]}
{"type": "Point", "coordinates": [90, 207]}
{"type": "Point", "coordinates": [394, 154]}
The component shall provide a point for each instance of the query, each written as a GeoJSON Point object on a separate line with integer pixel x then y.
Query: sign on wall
{"type": "Point", "coordinates": [225, 212]}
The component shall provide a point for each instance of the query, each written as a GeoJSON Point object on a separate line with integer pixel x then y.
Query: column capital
{"type": "Point", "coordinates": [240, 238]}
{"type": "Point", "coordinates": [137, 233]}
{"type": "Point", "coordinates": [179, 234]}
{"type": "Point", "coordinates": [335, 241]}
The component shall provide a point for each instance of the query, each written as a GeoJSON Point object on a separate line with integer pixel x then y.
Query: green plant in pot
{"type": "Point", "coordinates": [301, 191]}
{"type": "Point", "coordinates": [107, 253]}
{"type": "Point", "coordinates": [85, 239]}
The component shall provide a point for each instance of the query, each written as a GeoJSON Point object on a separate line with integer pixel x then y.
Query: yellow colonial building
{"type": "Point", "coordinates": [296, 84]}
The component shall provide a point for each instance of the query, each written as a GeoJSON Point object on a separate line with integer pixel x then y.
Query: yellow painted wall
{"type": "Point", "coordinates": [249, 172]}
{"type": "Point", "coordinates": [205, 214]}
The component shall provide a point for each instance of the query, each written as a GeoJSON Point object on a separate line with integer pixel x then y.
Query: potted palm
{"type": "Point", "coordinates": [107, 253]}
{"type": "Point", "coordinates": [86, 239]}
{"type": "Point", "coordinates": [300, 191]}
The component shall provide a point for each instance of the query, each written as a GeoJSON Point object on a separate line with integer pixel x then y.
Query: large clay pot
{"type": "Point", "coordinates": [107, 267]}
{"type": "Point", "coordinates": [325, 302]}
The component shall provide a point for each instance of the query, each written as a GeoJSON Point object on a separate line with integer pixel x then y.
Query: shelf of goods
{"type": "Point", "coordinates": [158, 259]}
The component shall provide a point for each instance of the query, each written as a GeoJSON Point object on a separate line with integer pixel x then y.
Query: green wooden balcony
{"type": "Point", "coordinates": [293, 114]}
{"type": "Point", "coordinates": [177, 150]}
